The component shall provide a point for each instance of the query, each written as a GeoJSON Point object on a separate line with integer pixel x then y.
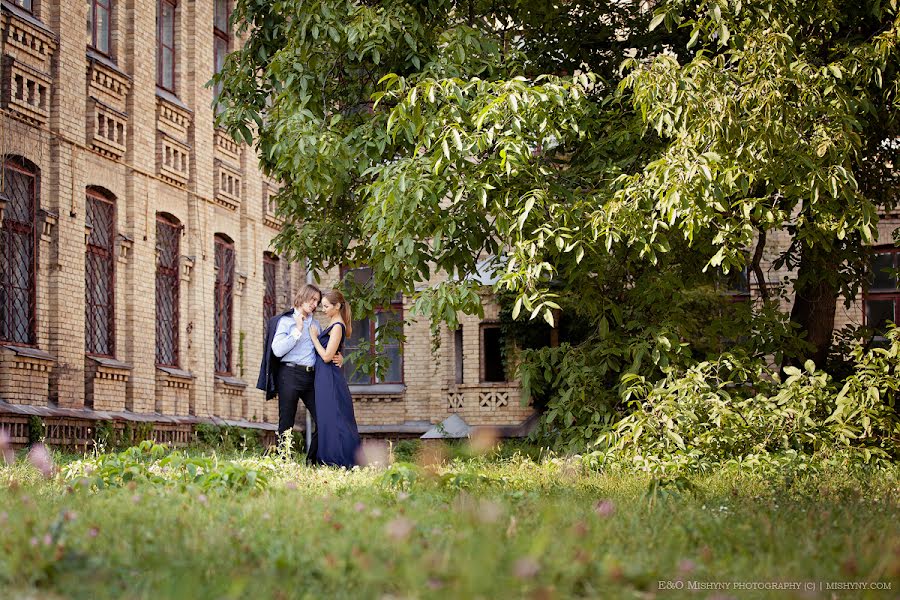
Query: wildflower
{"type": "Point", "coordinates": [399, 529]}
{"type": "Point", "coordinates": [359, 507]}
{"type": "Point", "coordinates": [136, 498]}
{"type": "Point", "coordinates": [686, 567]}
{"type": "Point", "coordinates": [605, 508]}
{"type": "Point", "coordinates": [40, 458]}
{"type": "Point", "coordinates": [93, 532]}
{"type": "Point", "coordinates": [526, 568]}
{"type": "Point", "coordinates": [291, 485]}
{"type": "Point", "coordinates": [489, 512]}
{"type": "Point", "coordinates": [402, 496]}
{"type": "Point", "coordinates": [48, 539]}
{"type": "Point", "coordinates": [69, 516]}
{"type": "Point", "coordinates": [511, 530]}
{"type": "Point", "coordinates": [202, 499]}
{"type": "Point", "coordinates": [6, 448]}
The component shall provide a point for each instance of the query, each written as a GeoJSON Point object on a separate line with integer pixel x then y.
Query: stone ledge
{"type": "Point", "coordinates": [230, 386]}
{"type": "Point", "coordinates": [378, 389]}
{"type": "Point", "coordinates": [30, 352]}
{"type": "Point", "coordinates": [175, 378]}
{"type": "Point", "coordinates": [108, 368]}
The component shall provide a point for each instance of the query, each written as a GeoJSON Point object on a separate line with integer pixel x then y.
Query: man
{"type": "Point", "coordinates": [288, 365]}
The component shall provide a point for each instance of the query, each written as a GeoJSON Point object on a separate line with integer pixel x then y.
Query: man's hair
{"type": "Point", "coordinates": [307, 292]}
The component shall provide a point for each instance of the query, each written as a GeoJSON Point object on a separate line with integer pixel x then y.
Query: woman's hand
{"type": "Point", "coordinates": [313, 331]}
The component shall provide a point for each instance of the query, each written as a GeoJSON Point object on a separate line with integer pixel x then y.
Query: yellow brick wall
{"type": "Point", "coordinates": [65, 149]}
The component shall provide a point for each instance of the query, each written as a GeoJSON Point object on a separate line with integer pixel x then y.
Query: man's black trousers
{"type": "Point", "coordinates": [297, 383]}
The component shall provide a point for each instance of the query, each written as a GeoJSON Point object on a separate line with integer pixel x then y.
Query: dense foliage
{"type": "Point", "coordinates": [445, 142]}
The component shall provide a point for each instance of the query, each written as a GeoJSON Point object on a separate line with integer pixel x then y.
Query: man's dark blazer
{"type": "Point", "coordinates": [268, 370]}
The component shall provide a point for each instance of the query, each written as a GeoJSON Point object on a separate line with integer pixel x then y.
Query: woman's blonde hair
{"type": "Point", "coordinates": [335, 297]}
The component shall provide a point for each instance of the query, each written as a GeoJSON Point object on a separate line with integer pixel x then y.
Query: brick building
{"type": "Point", "coordinates": [136, 241]}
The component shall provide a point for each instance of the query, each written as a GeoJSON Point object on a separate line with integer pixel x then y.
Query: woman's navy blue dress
{"type": "Point", "coordinates": [338, 435]}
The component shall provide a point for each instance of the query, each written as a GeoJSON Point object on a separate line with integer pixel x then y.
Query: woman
{"type": "Point", "coordinates": [338, 435]}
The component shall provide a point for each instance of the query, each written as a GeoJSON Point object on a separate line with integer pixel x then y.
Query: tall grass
{"type": "Point", "coordinates": [508, 525]}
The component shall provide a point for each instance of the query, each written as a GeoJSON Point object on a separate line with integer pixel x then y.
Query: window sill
{"type": "Point", "coordinates": [378, 388]}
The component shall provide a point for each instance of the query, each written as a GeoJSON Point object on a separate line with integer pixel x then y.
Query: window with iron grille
{"type": "Point", "coordinates": [18, 252]}
{"type": "Point", "coordinates": [270, 306]}
{"type": "Point", "coordinates": [168, 236]}
{"type": "Point", "coordinates": [881, 302]}
{"type": "Point", "coordinates": [165, 44]}
{"type": "Point", "coordinates": [98, 25]}
{"type": "Point", "coordinates": [221, 39]}
{"type": "Point", "coordinates": [223, 303]}
{"type": "Point", "coordinates": [99, 274]}
{"type": "Point", "coordinates": [366, 333]}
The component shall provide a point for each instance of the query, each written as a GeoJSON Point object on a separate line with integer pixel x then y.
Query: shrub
{"type": "Point", "coordinates": [735, 408]}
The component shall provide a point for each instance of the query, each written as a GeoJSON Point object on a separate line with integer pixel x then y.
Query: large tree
{"type": "Point", "coordinates": [423, 136]}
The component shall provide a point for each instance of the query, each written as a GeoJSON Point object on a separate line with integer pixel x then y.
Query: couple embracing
{"type": "Point", "coordinates": [302, 361]}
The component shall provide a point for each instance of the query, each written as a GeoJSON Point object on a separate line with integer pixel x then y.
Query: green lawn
{"type": "Point", "coordinates": [501, 527]}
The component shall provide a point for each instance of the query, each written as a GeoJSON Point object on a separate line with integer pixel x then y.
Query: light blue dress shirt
{"type": "Point", "coordinates": [293, 346]}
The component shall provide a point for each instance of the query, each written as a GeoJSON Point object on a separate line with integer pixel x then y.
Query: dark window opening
{"type": "Point", "coordinates": [493, 354]}
{"type": "Point", "coordinates": [881, 302]}
{"type": "Point", "coordinates": [460, 354]}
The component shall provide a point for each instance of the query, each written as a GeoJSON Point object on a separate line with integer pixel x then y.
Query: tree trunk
{"type": "Point", "coordinates": [815, 300]}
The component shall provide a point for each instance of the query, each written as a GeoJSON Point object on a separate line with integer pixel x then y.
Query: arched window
{"type": "Point", "coordinates": [18, 252]}
{"type": "Point", "coordinates": [100, 273]}
{"type": "Point", "coordinates": [223, 302]}
{"type": "Point", "coordinates": [168, 237]}
{"type": "Point", "coordinates": [270, 303]}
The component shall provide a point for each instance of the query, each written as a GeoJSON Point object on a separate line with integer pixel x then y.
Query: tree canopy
{"type": "Point", "coordinates": [607, 159]}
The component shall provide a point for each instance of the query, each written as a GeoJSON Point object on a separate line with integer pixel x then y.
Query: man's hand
{"type": "Point", "coordinates": [298, 319]}
{"type": "Point", "coordinates": [338, 360]}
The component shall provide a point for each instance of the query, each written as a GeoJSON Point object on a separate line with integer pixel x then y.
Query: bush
{"type": "Point", "coordinates": [733, 409]}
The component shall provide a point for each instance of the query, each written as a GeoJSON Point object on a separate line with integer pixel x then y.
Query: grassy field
{"type": "Point", "coordinates": [502, 526]}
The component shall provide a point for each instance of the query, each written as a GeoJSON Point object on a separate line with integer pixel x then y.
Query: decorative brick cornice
{"type": "Point", "coordinates": [227, 186]}
{"type": "Point", "coordinates": [107, 129]}
{"type": "Point", "coordinates": [270, 216]}
{"type": "Point", "coordinates": [50, 218]}
{"type": "Point", "coordinates": [172, 160]}
{"type": "Point", "coordinates": [187, 267]}
{"type": "Point", "coordinates": [377, 398]}
{"type": "Point", "coordinates": [173, 119]}
{"type": "Point", "coordinates": [230, 386]}
{"type": "Point", "coordinates": [25, 91]}
{"type": "Point", "coordinates": [28, 38]}
{"type": "Point", "coordinates": [175, 378]}
{"type": "Point", "coordinates": [226, 148]}
{"type": "Point", "coordinates": [107, 83]}
{"type": "Point", "coordinates": [109, 369]}
{"type": "Point", "coordinates": [24, 358]}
